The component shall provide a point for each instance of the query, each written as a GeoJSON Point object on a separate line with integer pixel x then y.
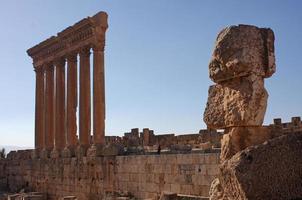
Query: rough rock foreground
{"type": "Point", "coordinates": [272, 170]}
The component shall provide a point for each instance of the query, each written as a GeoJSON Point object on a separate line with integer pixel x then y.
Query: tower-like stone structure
{"type": "Point", "coordinates": [243, 57]}
{"type": "Point", "coordinates": [56, 65]}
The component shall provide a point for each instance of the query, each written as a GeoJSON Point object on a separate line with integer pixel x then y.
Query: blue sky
{"type": "Point", "coordinates": [157, 55]}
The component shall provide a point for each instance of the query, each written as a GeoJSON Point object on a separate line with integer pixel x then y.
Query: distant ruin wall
{"type": "Point", "coordinates": [2, 175]}
{"type": "Point", "coordinates": [144, 176]}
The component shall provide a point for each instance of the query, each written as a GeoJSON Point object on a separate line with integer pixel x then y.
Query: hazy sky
{"type": "Point", "coordinates": [157, 55]}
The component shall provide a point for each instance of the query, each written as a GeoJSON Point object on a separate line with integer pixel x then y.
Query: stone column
{"type": "Point", "coordinates": [39, 113]}
{"type": "Point", "coordinates": [72, 101]}
{"type": "Point", "coordinates": [60, 137]}
{"type": "Point", "coordinates": [98, 96]}
{"type": "Point", "coordinates": [49, 107]}
{"type": "Point", "coordinates": [85, 104]}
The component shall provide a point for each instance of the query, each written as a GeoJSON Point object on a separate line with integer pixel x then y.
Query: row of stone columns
{"type": "Point", "coordinates": [55, 120]}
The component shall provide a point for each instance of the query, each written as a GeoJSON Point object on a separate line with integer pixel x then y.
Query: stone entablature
{"type": "Point", "coordinates": [87, 32]}
{"type": "Point", "coordinates": [56, 125]}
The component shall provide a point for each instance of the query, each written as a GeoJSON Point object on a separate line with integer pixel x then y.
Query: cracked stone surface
{"type": "Point", "coordinates": [242, 50]}
{"type": "Point", "coordinates": [240, 102]}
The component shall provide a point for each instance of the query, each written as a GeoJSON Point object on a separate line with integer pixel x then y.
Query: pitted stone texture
{"type": "Point", "coordinates": [238, 138]}
{"type": "Point", "coordinates": [272, 170]}
{"type": "Point", "coordinates": [240, 102]}
{"type": "Point", "coordinates": [216, 191]}
{"type": "Point", "coordinates": [242, 50]}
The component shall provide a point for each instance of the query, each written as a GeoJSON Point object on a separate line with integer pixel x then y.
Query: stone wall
{"type": "Point", "coordinates": [2, 174]}
{"type": "Point", "coordinates": [144, 176]}
{"type": "Point", "coordinates": [295, 125]}
{"type": "Point", "coordinates": [147, 138]}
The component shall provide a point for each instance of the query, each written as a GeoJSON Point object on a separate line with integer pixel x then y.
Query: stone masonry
{"type": "Point", "coordinates": [74, 160]}
{"type": "Point", "coordinates": [144, 176]}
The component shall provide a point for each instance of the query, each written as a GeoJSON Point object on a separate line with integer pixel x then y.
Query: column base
{"type": "Point", "coordinates": [81, 151]}
{"type": "Point", "coordinates": [44, 154]}
{"type": "Point", "coordinates": [95, 150]}
{"type": "Point", "coordinates": [68, 152]}
{"type": "Point", "coordinates": [113, 150]}
{"type": "Point", "coordinates": [35, 154]}
{"type": "Point", "coordinates": [55, 153]}
{"type": "Point", "coordinates": [104, 150]}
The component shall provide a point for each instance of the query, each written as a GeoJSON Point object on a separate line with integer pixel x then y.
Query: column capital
{"type": "Point", "coordinates": [72, 57]}
{"type": "Point", "coordinates": [85, 51]}
{"type": "Point", "coordinates": [59, 62]}
{"type": "Point", "coordinates": [39, 69]}
{"type": "Point", "coordinates": [49, 66]}
{"type": "Point", "coordinates": [100, 46]}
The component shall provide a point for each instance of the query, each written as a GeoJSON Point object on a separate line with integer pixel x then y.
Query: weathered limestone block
{"type": "Point", "coordinates": [242, 50]}
{"type": "Point", "coordinates": [272, 170]}
{"type": "Point", "coordinates": [240, 102]}
{"type": "Point", "coordinates": [180, 148]}
{"type": "Point", "coordinates": [105, 150]}
{"type": "Point", "coordinates": [238, 138]}
{"type": "Point", "coordinates": [216, 191]}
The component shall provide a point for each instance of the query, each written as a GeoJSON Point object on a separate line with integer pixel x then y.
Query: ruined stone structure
{"type": "Point", "coordinates": [242, 58]}
{"type": "Point", "coordinates": [55, 121]}
{"type": "Point", "coordinates": [95, 177]}
{"type": "Point", "coordinates": [148, 139]}
{"type": "Point", "coordinates": [144, 165]}
{"type": "Point", "coordinates": [256, 162]}
{"type": "Point", "coordinates": [93, 166]}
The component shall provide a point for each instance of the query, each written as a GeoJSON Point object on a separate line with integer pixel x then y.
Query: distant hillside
{"type": "Point", "coordinates": [13, 148]}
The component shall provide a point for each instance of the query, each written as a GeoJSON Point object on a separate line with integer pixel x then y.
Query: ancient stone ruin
{"type": "Point", "coordinates": [242, 58]}
{"type": "Point", "coordinates": [73, 159]}
{"type": "Point", "coordinates": [55, 122]}
{"type": "Point", "coordinates": [235, 158]}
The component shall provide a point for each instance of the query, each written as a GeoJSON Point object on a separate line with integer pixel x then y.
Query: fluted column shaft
{"type": "Point", "coordinates": [85, 104]}
{"type": "Point", "coordinates": [72, 100]}
{"type": "Point", "coordinates": [98, 96]}
{"type": "Point", "coordinates": [49, 107]}
{"type": "Point", "coordinates": [60, 137]}
{"type": "Point", "coordinates": [39, 109]}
